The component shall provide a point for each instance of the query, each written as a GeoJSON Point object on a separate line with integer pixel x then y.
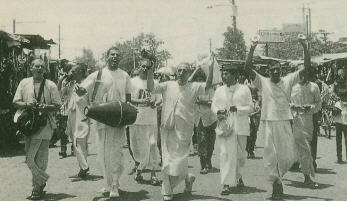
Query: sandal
{"type": "Point", "coordinates": [35, 195]}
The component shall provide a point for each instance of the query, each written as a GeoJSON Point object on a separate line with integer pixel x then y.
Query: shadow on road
{"type": "Point", "coordinates": [11, 151]}
{"type": "Point", "coordinates": [214, 170]}
{"type": "Point", "coordinates": [126, 196]}
{"type": "Point", "coordinates": [325, 171]}
{"type": "Point", "coordinates": [302, 197]}
{"type": "Point", "coordinates": [185, 197]}
{"type": "Point", "coordinates": [57, 196]}
{"type": "Point", "coordinates": [246, 190]}
{"type": "Point", "coordinates": [89, 177]}
{"type": "Point", "coordinates": [298, 184]}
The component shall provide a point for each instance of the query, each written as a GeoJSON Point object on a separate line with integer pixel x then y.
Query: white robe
{"type": "Point", "coordinates": [307, 94]}
{"type": "Point", "coordinates": [177, 129]}
{"type": "Point", "coordinates": [232, 138]}
{"type": "Point", "coordinates": [114, 85]}
{"type": "Point", "coordinates": [144, 132]}
{"type": "Point", "coordinates": [279, 154]}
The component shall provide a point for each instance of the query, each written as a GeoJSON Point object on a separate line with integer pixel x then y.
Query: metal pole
{"type": "Point", "coordinates": [234, 17]}
{"type": "Point", "coordinates": [59, 44]}
{"type": "Point", "coordinates": [14, 25]}
{"type": "Point", "coordinates": [310, 30]}
{"type": "Point", "coordinates": [307, 33]}
{"type": "Point", "coordinates": [267, 49]}
{"type": "Point", "coordinates": [210, 45]}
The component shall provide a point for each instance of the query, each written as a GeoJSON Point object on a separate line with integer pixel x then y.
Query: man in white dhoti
{"type": "Point", "coordinates": [232, 103]}
{"type": "Point", "coordinates": [178, 112]}
{"type": "Point", "coordinates": [275, 118]}
{"type": "Point", "coordinates": [36, 145]}
{"type": "Point", "coordinates": [114, 85]}
{"type": "Point", "coordinates": [306, 101]}
{"type": "Point", "coordinates": [143, 133]}
{"type": "Point", "coordinates": [77, 128]}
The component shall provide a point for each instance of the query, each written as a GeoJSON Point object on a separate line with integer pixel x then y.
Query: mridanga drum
{"type": "Point", "coordinates": [115, 114]}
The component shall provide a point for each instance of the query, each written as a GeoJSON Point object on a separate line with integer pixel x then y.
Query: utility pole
{"type": "Point", "coordinates": [23, 22]}
{"type": "Point", "coordinates": [210, 45]}
{"type": "Point", "coordinates": [234, 14]}
{"type": "Point", "coordinates": [59, 44]}
{"type": "Point", "coordinates": [14, 25]}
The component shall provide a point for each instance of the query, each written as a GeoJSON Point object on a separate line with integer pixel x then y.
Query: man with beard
{"type": "Point", "coordinates": [179, 98]}
{"type": "Point", "coordinates": [232, 103]}
{"type": "Point", "coordinates": [276, 117]}
{"type": "Point", "coordinates": [36, 145]}
{"type": "Point", "coordinates": [113, 85]}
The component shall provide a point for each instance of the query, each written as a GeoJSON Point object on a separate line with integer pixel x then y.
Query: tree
{"type": "Point", "coordinates": [88, 59]}
{"type": "Point", "coordinates": [130, 51]}
{"type": "Point", "coordinates": [291, 48]}
{"type": "Point", "coordinates": [234, 46]}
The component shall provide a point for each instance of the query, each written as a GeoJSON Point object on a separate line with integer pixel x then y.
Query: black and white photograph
{"type": "Point", "coordinates": [201, 100]}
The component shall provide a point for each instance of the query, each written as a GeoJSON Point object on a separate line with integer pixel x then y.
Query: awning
{"type": "Point", "coordinates": [36, 42]}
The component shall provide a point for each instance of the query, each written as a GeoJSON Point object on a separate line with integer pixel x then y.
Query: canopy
{"type": "Point", "coordinates": [325, 58]}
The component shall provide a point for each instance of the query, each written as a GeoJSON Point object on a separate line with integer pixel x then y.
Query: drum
{"type": "Point", "coordinates": [115, 114]}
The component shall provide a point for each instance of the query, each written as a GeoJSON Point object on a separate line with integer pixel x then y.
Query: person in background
{"type": "Point", "coordinates": [340, 89]}
{"type": "Point", "coordinates": [205, 126]}
{"type": "Point", "coordinates": [36, 145]}
{"type": "Point", "coordinates": [254, 119]}
{"type": "Point", "coordinates": [305, 101]}
{"type": "Point", "coordinates": [77, 128]}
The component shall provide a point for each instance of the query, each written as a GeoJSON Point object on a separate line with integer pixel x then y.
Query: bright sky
{"type": "Point", "coordinates": [184, 25]}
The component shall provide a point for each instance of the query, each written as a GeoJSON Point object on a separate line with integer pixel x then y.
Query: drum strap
{"type": "Point", "coordinates": [96, 85]}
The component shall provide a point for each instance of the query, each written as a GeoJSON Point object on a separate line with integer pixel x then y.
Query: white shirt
{"type": "Point", "coordinates": [179, 100]}
{"type": "Point", "coordinates": [113, 87]}
{"type": "Point", "coordinates": [26, 92]}
{"type": "Point", "coordinates": [237, 95]}
{"type": "Point", "coordinates": [276, 97]}
{"type": "Point", "coordinates": [146, 115]}
{"type": "Point", "coordinates": [204, 112]}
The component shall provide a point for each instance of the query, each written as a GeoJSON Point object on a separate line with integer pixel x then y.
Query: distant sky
{"type": "Point", "coordinates": [184, 25]}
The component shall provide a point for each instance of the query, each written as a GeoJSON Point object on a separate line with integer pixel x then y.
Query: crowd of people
{"type": "Point", "coordinates": [169, 112]}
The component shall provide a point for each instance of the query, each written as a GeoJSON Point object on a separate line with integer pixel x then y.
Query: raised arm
{"type": "Point", "coordinates": [248, 64]}
{"type": "Point", "coordinates": [307, 56]}
{"type": "Point", "coordinates": [209, 79]}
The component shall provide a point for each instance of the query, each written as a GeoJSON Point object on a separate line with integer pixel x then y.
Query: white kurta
{"type": "Point", "coordinates": [114, 85]}
{"type": "Point", "coordinates": [144, 132]}
{"type": "Point", "coordinates": [307, 94]}
{"type": "Point", "coordinates": [177, 128]}
{"type": "Point", "coordinates": [275, 126]}
{"type": "Point", "coordinates": [233, 140]}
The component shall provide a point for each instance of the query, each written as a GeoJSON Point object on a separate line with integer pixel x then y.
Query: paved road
{"type": "Point", "coordinates": [15, 180]}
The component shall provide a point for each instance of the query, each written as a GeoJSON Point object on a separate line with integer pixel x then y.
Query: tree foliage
{"type": "Point", "coordinates": [234, 46]}
{"type": "Point", "coordinates": [130, 50]}
{"type": "Point", "coordinates": [87, 58]}
{"type": "Point", "coordinates": [291, 48]}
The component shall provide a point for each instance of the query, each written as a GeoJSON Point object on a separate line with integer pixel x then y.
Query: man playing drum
{"type": "Point", "coordinates": [114, 85]}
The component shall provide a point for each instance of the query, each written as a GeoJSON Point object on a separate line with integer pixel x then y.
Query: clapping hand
{"type": "Point", "coordinates": [80, 91]}
{"type": "Point", "coordinates": [233, 108]}
{"type": "Point", "coordinates": [221, 115]}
